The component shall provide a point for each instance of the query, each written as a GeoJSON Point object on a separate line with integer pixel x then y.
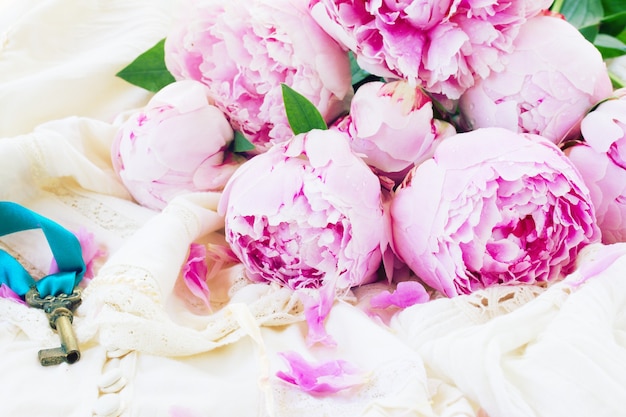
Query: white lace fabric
{"type": "Point", "coordinates": [149, 348]}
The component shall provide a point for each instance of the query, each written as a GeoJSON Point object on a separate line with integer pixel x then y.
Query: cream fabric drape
{"type": "Point", "coordinates": [149, 349]}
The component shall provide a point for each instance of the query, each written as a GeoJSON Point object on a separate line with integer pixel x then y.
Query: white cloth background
{"type": "Point", "coordinates": [150, 350]}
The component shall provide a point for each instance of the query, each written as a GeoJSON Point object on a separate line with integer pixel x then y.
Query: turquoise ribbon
{"type": "Point", "coordinates": [64, 245]}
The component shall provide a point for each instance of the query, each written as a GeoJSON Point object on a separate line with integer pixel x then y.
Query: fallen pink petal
{"type": "Point", "coordinates": [316, 309]}
{"type": "Point", "coordinates": [320, 379]}
{"type": "Point", "coordinates": [7, 292]}
{"type": "Point", "coordinates": [604, 258]}
{"type": "Point", "coordinates": [195, 273]}
{"type": "Point", "coordinates": [218, 257]}
{"type": "Point", "coordinates": [406, 294]}
{"type": "Point", "coordinates": [91, 252]}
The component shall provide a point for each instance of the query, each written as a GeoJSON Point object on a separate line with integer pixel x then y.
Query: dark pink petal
{"type": "Point", "coordinates": [320, 379]}
{"type": "Point", "coordinates": [195, 273]}
{"type": "Point", "coordinates": [406, 294]}
{"type": "Point", "coordinates": [6, 292]}
{"type": "Point", "coordinates": [316, 309]}
{"type": "Point", "coordinates": [90, 249]}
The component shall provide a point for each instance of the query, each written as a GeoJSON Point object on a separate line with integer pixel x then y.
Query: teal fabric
{"type": "Point", "coordinates": [64, 245]}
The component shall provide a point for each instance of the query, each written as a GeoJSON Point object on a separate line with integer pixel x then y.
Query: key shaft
{"type": "Point", "coordinates": [59, 310]}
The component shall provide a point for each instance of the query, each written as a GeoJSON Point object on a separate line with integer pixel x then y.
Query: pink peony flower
{"type": "Point", "coordinates": [391, 126]}
{"type": "Point", "coordinates": [244, 50]}
{"type": "Point", "coordinates": [549, 82]}
{"type": "Point", "coordinates": [492, 207]}
{"type": "Point", "coordinates": [440, 45]}
{"type": "Point", "coordinates": [320, 379]}
{"type": "Point", "coordinates": [305, 214]}
{"type": "Point", "coordinates": [601, 160]}
{"type": "Point", "coordinates": [177, 144]}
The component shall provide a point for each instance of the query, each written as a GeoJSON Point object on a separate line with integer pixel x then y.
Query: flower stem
{"type": "Point", "coordinates": [556, 7]}
{"type": "Point", "coordinates": [616, 80]}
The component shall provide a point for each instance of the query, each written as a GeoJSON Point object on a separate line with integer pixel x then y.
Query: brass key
{"type": "Point", "coordinates": [60, 312]}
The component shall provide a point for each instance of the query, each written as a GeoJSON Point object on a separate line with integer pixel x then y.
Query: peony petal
{"type": "Point", "coordinates": [195, 273]}
{"type": "Point", "coordinates": [406, 294]}
{"type": "Point", "coordinates": [90, 249]}
{"type": "Point", "coordinates": [550, 80]}
{"type": "Point", "coordinates": [6, 292]}
{"type": "Point", "coordinates": [320, 379]}
{"type": "Point", "coordinates": [600, 161]}
{"type": "Point", "coordinates": [317, 306]}
{"type": "Point", "coordinates": [607, 255]}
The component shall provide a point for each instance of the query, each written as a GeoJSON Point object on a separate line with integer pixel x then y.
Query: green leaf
{"type": "Point", "coordinates": [590, 32]}
{"type": "Point", "coordinates": [241, 144]}
{"type": "Point", "coordinates": [358, 74]}
{"type": "Point", "coordinates": [583, 13]}
{"type": "Point", "coordinates": [148, 70]}
{"type": "Point", "coordinates": [609, 46]}
{"type": "Point", "coordinates": [616, 81]}
{"type": "Point", "coordinates": [612, 7]}
{"type": "Point", "coordinates": [301, 113]}
{"type": "Point", "coordinates": [614, 24]}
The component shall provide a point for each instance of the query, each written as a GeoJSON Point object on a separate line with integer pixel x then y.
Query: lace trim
{"type": "Point", "coordinates": [159, 335]}
{"type": "Point", "coordinates": [96, 211]}
{"type": "Point", "coordinates": [32, 322]}
{"type": "Point", "coordinates": [484, 305]}
{"type": "Point", "coordinates": [120, 284]}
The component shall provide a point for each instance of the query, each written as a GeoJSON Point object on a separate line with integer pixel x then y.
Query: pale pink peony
{"type": "Point", "coordinates": [305, 214]}
{"type": "Point", "coordinates": [244, 49]}
{"type": "Point", "coordinates": [549, 82]}
{"type": "Point", "coordinates": [492, 207]}
{"type": "Point", "coordinates": [442, 45]}
{"type": "Point", "coordinates": [391, 126]}
{"type": "Point", "coordinates": [178, 143]}
{"type": "Point", "coordinates": [601, 160]}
